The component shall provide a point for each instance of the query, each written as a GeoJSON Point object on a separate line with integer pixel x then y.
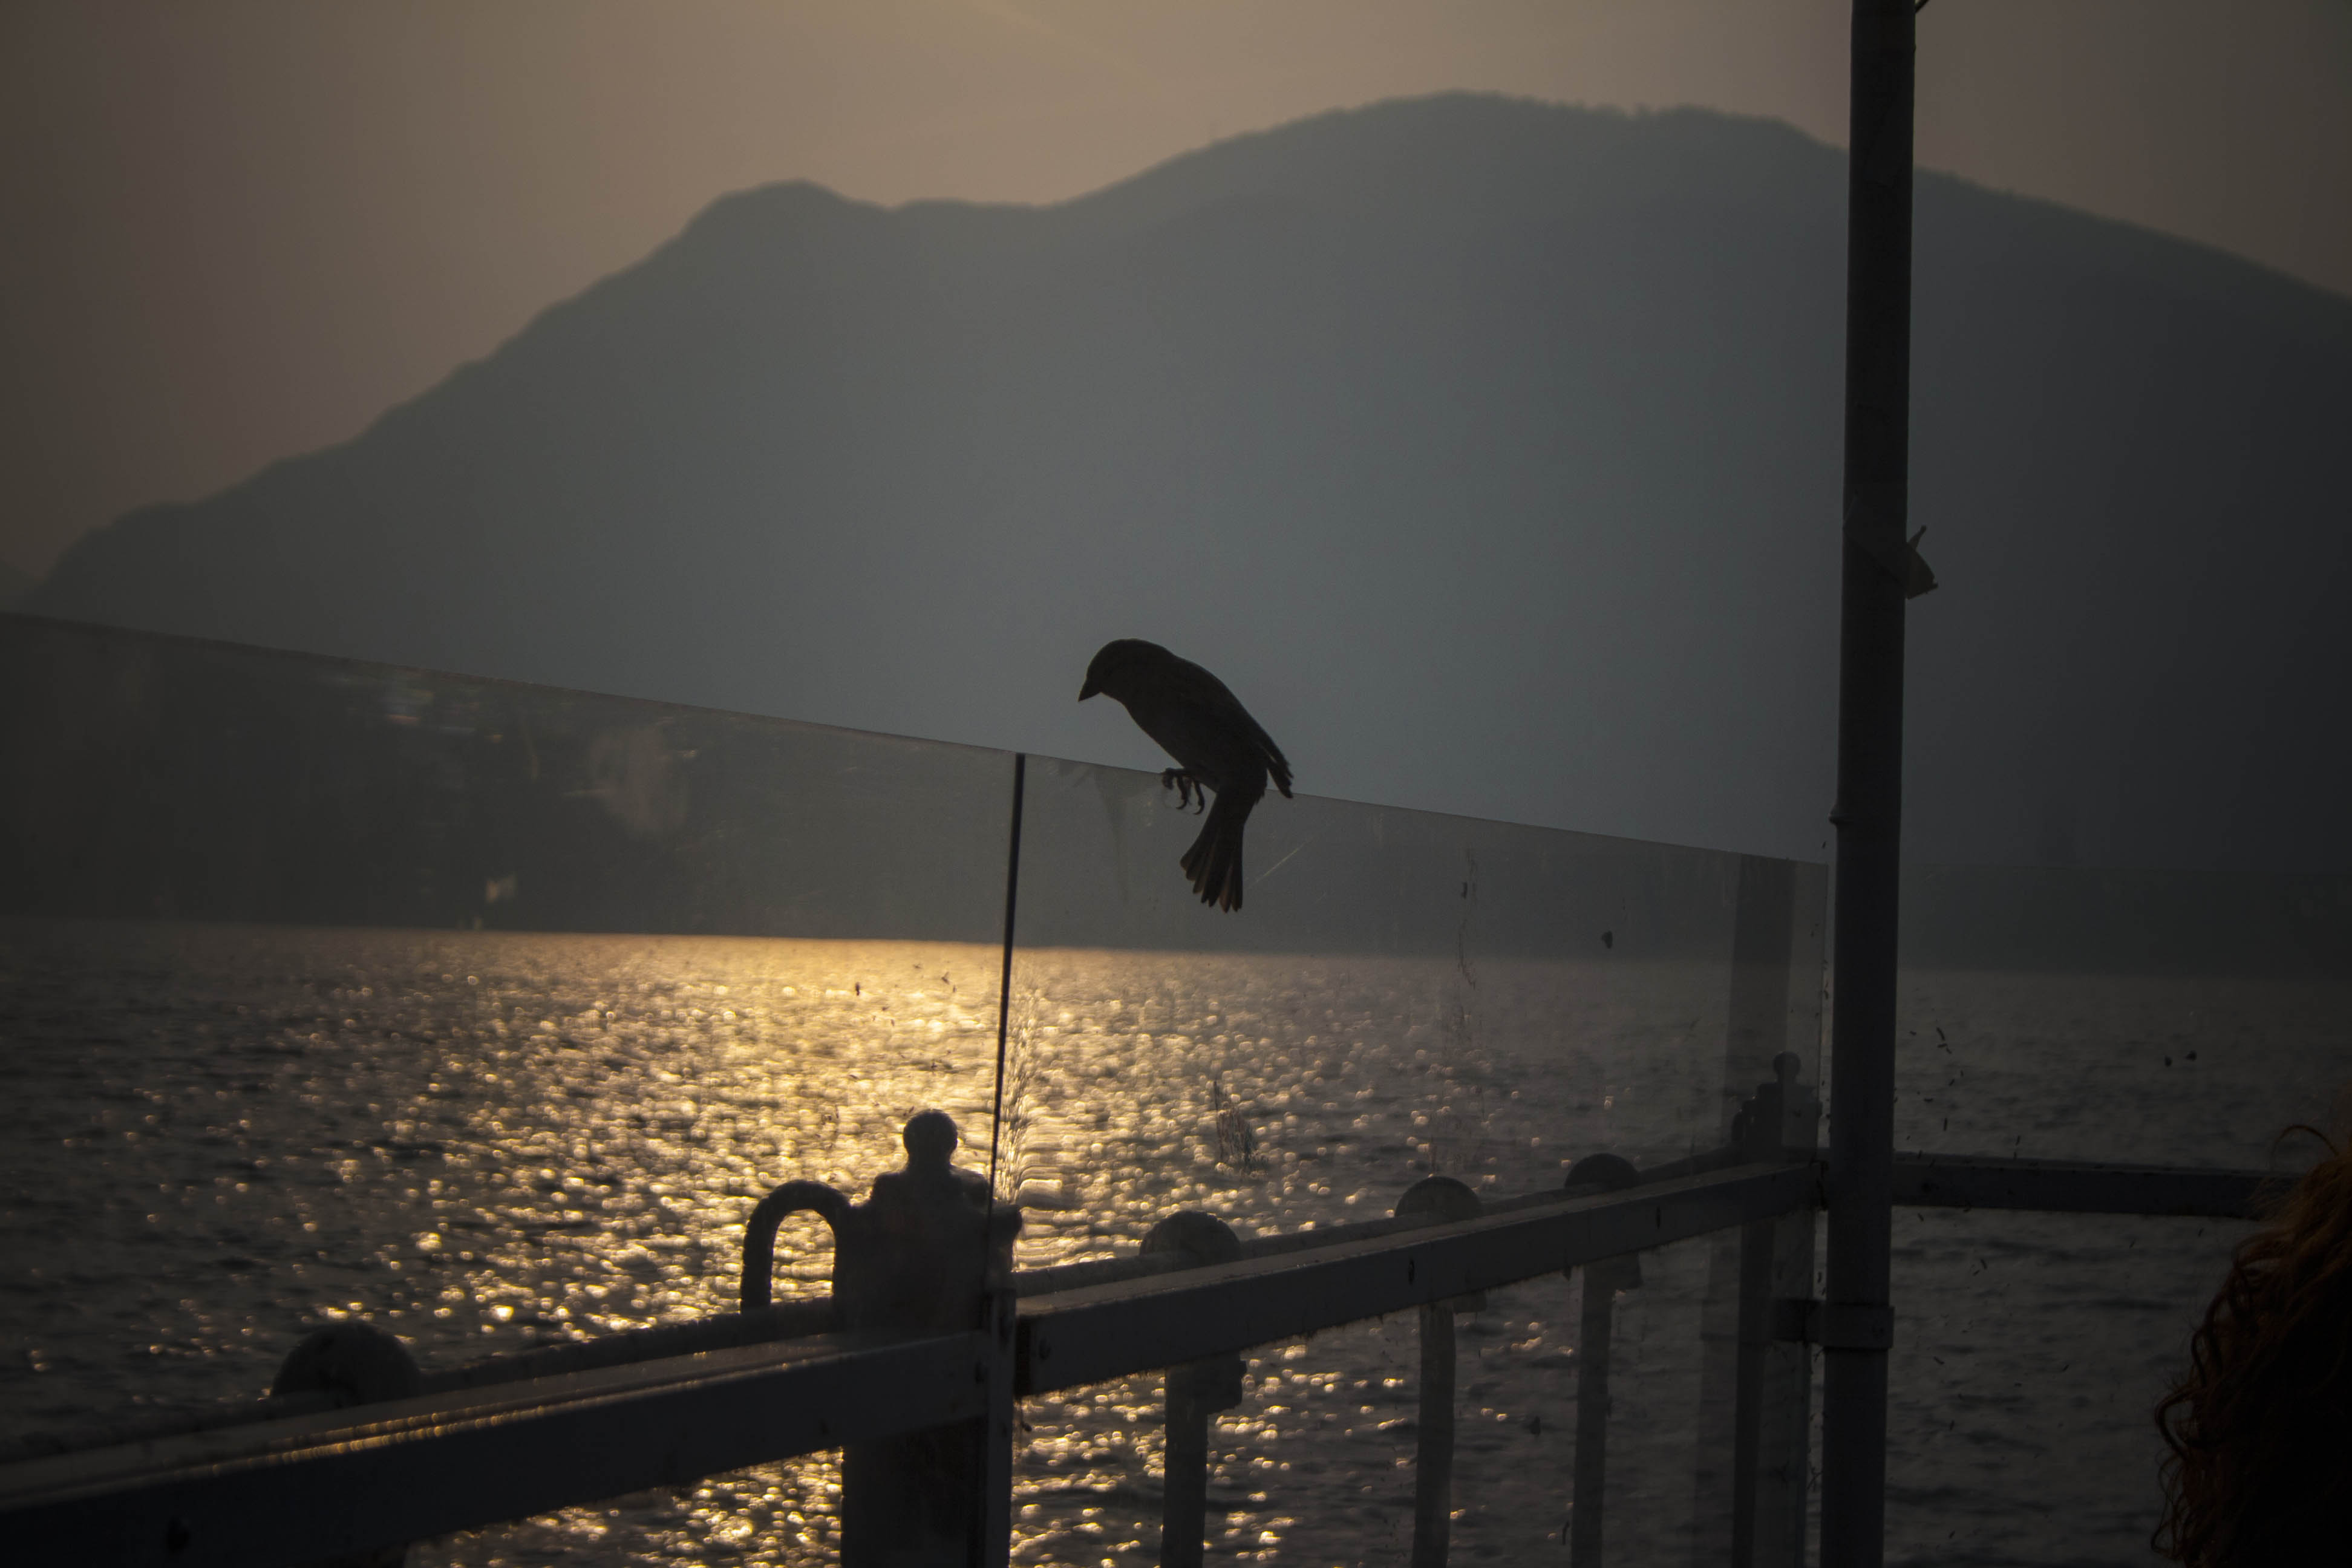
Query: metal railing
{"type": "Point", "coordinates": [919, 1386]}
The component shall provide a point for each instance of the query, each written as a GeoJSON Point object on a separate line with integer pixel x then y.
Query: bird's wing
{"type": "Point", "coordinates": [1189, 682]}
{"type": "Point", "coordinates": [1276, 763]}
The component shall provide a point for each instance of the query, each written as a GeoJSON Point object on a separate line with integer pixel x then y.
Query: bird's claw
{"type": "Point", "coordinates": [1188, 789]}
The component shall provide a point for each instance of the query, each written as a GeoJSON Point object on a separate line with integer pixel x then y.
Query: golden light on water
{"type": "Point", "coordinates": [485, 1142]}
{"type": "Point", "coordinates": [218, 1136]}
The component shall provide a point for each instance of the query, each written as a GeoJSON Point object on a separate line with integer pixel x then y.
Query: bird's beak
{"type": "Point", "coordinates": [1089, 689]}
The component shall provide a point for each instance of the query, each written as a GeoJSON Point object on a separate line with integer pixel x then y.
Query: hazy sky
{"type": "Point", "coordinates": [236, 230]}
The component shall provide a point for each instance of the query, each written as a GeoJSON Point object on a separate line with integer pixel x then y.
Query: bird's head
{"type": "Point", "coordinates": [1107, 673]}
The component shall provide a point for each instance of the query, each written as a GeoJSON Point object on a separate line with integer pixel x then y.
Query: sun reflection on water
{"type": "Point", "coordinates": [486, 1141]}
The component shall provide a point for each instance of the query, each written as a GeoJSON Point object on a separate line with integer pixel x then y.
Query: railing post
{"type": "Point", "coordinates": [357, 1364]}
{"type": "Point", "coordinates": [1438, 1199]}
{"type": "Point", "coordinates": [1602, 1281]}
{"type": "Point", "coordinates": [1747, 1400]}
{"type": "Point", "coordinates": [993, 1543]}
{"type": "Point", "coordinates": [1772, 1403]}
{"type": "Point", "coordinates": [1194, 1392]}
{"type": "Point", "coordinates": [1433, 1453]}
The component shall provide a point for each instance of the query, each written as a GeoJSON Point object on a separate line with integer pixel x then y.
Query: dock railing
{"type": "Point", "coordinates": [379, 1452]}
{"type": "Point", "coordinates": [427, 1454]}
{"type": "Point", "coordinates": [1539, 1053]}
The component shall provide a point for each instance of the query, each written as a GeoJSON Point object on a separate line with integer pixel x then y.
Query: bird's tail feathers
{"type": "Point", "coordinates": [1214, 861]}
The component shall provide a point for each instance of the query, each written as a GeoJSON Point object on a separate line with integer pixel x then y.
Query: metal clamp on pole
{"type": "Point", "coordinates": [1849, 1326]}
{"type": "Point", "coordinates": [1833, 1325]}
{"type": "Point", "coordinates": [1897, 557]}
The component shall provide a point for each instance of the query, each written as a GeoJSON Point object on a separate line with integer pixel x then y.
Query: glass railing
{"type": "Point", "coordinates": [476, 1011]}
{"type": "Point", "coordinates": [1403, 994]}
{"type": "Point", "coordinates": [482, 1012]}
{"type": "Point", "coordinates": [485, 1013]}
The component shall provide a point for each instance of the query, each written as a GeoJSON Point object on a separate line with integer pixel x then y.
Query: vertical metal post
{"type": "Point", "coordinates": [1193, 1393]}
{"type": "Point", "coordinates": [1184, 1505]}
{"type": "Point", "coordinates": [991, 1537]}
{"type": "Point", "coordinates": [360, 1364]}
{"type": "Point", "coordinates": [1004, 980]}
{"type": "Point", "coordinates": [1436, 1199]}
{"type": "Point", "coordinates": [1592, 1416]}
{"type": "Point", "coordinates": [993, 1533]}
{"type": "Point", "coordinates": [1432, 1463]}
{"type": "Point", "coordinates": [928, 1253]}
{"type": "Point", "coordinates": [1879, 570]}
{"type": "Point", "coordinates": [1774, 1389]}
{"type": "Point", "coordinates": [1747, 1398]}
{"type": "Point", "coordinates": [1603, 1279]}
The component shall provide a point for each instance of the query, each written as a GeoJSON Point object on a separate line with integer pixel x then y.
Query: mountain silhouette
{"type": "Point", "coordinates": [1493, 446]}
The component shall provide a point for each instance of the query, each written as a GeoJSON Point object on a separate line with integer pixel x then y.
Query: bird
{"type": "Point", "coordinates": [1219, 749]}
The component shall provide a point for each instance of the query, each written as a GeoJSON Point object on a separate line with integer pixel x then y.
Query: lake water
{"type": "Point", "coordinates": [217, 1136]}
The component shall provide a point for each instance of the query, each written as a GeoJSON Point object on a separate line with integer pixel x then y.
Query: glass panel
{"type": "Point", "coordinates": [2164, 1017]}
{"type": "Point", "coordinates": [1402, 994]}
{"type": "Point", "coordinates": [2171, 1017]}
{"type": "Point", "coordinates": [478, 1011]}
{"type": "Point", "coordinates": [483, 1012]}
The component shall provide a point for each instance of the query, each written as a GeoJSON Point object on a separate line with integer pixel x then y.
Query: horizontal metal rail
{"type": "Point", "coordinates": [316, 1487]}
{"type": "Point", "coordinates": [2080, 1186]}
{"type": "Point", "coordinates": [492, 1442]}
{"type": "Point", "coordinates": [567, 1425]}
{"type": "Point", "coordinates": [1100, 1332]}
{"type": "Point", "coordinates": [787, 1319]}
{"type": "Point", "coordinates": [1064, 1276]}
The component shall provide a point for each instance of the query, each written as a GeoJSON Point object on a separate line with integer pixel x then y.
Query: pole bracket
{"type": "Point", "coordinates": [1888, 550]}
{"type": "Point", "coordinates": [1833, 1325]}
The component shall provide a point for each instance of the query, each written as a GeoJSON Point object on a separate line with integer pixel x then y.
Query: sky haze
{"type": "Point", "coordinates": [233, 232]}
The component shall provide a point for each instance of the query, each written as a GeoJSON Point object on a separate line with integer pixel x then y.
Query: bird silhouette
{"type": "Point", "coordinates": [1219, 749]}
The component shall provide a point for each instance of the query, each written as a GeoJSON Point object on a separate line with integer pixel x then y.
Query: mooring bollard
{"type": "Point", "coordinates": [356, 1364]}
{"type": "Point", "coordinates": [927, 1253]}
{"type": "Point", "coordinates": [1195, 1391]}
{"type": "Point", "coordinates": [1436, 1199]}
{"type": "Point", "coordinates": [1603, 1279]}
